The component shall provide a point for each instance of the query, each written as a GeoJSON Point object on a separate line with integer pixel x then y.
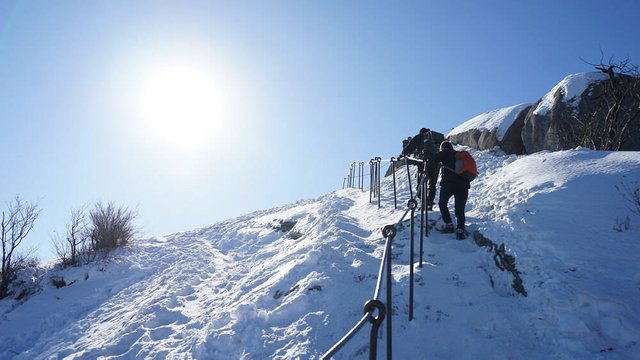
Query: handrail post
{"type": "Point", "coordinates": [360, 173]}
{"type": "Point", "coordinates": [362, 180]}
{"type": "Point", "coordinates": [412, 204]}
{"type": "Point", "coordinates": [424, 220]}
{"type": "Point", "coordinates": [371, 180]}
{"type": "Point", "coordinates": [395, 196]}
{"type": "Point", "coordinates": [350, 176]}
{"type": "Point", "coordinates": [389, 231]}
{"type": "Point", "coordinates": [376, 322]}
{"type": "Point", "coordinates": [353, 178]}
{"type": "Point", "coordinates": [378, 159]}
{"type": "Point", "coordinates": [409, 177]}
{"type": "Point", "coordinates": [424, 203]}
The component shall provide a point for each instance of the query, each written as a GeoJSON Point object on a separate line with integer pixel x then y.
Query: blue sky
{"type": "Point", "coordinates": [296, 91]}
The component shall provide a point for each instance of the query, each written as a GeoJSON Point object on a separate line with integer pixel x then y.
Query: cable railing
{"type": "Point", "coordinates": [375, 311]}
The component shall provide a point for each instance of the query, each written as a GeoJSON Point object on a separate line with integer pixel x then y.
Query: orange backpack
{"type": "Point", "coordinates": [465, 165]}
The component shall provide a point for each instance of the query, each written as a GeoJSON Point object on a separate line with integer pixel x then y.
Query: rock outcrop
{"type": "Point", "coordinates": [545, 127]}
{"type": "Point", "coordinates": [575, 109]}
{"type": "Point", "coordinates": [499, 128]}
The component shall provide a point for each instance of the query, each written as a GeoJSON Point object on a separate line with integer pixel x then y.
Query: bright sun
{"type": "Point", "coordinates": [181, 105]}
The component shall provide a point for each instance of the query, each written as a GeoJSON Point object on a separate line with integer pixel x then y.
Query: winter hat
{"type": "Point", "coordinates": [446, 145]}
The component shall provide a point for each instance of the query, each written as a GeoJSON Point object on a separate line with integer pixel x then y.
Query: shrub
{"type": "Point", "coordinates": [111, 226]}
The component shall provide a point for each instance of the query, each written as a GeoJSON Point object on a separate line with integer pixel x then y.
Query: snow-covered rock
{"type": "Point", "coordinates": [547, 125]}
{"type": "Point", "coordinates": [554, 120]}
{"type": "Point", "coordinates": [501, 128]}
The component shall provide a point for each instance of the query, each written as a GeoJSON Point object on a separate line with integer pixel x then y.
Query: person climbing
{"type": "Point", "coordinates": [424, 145]}
{"type": "Point", "coordinates": [406, 142]}
{"type": "Point", "coordinates": [451, 184]}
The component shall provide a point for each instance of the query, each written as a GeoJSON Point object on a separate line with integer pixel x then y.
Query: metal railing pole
{"type": "Point", "coordinates": [352, 177]}
{"type": "Point", "coordinates": [422, 212]}
{"type": "Point", "coordinates": [371, 181]}
{"type": "Point", "coordinates": [424, 220]}
{"type": "Point", "coordinates": [391, 231]}
{"type": "Point", "coordinates": [378, 179]}
{"type": "Point", "coordinates": [362, 176]}
{"type": "Point", "coordinates": [360, 173]}
{"type": "Point", "coordinates": [353, 174]}
{"type": "Point", "coordinates": [376, 322]}
{"type": "Point", "coordinates": [395, 196]}
{"type": "Point", "coordinates": [422, 227]}
{"type": "Point", "coordinates": [412, 204]}
{"type": "Point", "coordinates": [409, 177]}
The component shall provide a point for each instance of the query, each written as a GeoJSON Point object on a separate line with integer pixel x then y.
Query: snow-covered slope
{"type": "Point", "coordinates": [241, 289]}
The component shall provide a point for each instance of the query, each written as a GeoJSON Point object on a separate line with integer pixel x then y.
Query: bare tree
{"type": "Point", "coordinates": [16, 224]}
{"type": "Point", "coordinates": [111, 226]}
{"type": "Point", "coordinates": [615, 118]}
{"type": "Point", "coordinates": [74, 243]}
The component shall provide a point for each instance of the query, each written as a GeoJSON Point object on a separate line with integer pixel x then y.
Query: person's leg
{"type": "Point", "coordinates": [418, 165]}
{"type": "Point", "coordinates": [445, 195]}
{"type": "Point", "coordinates": [433, 179]}
{"type": "Point", "coordinates": [460, 202]}
{"type": "Point", "coordinates": [418, 187]}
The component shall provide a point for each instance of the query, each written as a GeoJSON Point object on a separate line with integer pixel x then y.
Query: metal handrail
{"type": "Point", "coordinates": [388, 232]}
{"type": "Point", "coordinates": [334, 349]}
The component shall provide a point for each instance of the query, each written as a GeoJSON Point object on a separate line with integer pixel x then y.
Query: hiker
{"type": "Point", "coordinates": [406, 142]}
{"type": "Point", "coordinates": [425, 143]}
{"type": "Point", "coordinates": [451, 184]}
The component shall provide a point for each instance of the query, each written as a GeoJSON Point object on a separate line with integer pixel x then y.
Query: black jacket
{"type": "Point", "coordinates": [421, 144]}
{"type": "Point", "coordinates": [449, 178]}
{"type": "Point", "coordinates": [415, 145]}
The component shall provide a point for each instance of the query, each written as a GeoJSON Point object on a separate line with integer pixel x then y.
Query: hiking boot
{"type": "Point", "coordinates": [460, 234]}
{"type": "Point", "coordinates": [448, 228]}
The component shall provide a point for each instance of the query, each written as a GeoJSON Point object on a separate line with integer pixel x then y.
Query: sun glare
{"type": "Point", "coordinates": [181, 105]}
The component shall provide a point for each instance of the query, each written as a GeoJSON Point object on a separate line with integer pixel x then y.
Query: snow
{"type": "Point", "coordinates": [570, 89]}
{"type": "Point", "coordinates": [499, 120]}
{"type": "Point", "coordinates": [241, 289]}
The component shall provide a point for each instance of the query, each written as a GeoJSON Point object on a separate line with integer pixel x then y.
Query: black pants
{"type": "Point", "coordinates": [430, 183]}
{"type": "Point", "coordinates": [460, 196]}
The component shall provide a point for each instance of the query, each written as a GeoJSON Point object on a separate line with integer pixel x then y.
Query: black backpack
{"type": "Point", "coordinates": [432, 141]}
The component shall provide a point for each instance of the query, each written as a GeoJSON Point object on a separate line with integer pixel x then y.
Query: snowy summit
{"type": "Point", "coordinates": [249, 288]}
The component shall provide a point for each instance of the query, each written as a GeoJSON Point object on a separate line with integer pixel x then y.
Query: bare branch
{"type": "Point", "coordinates": [612, 119]}
{"type": "Point", "coordinates": [15, 227]}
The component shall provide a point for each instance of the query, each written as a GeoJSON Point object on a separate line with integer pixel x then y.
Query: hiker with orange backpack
{"type": "Point", "coordinates": [453, 183]}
